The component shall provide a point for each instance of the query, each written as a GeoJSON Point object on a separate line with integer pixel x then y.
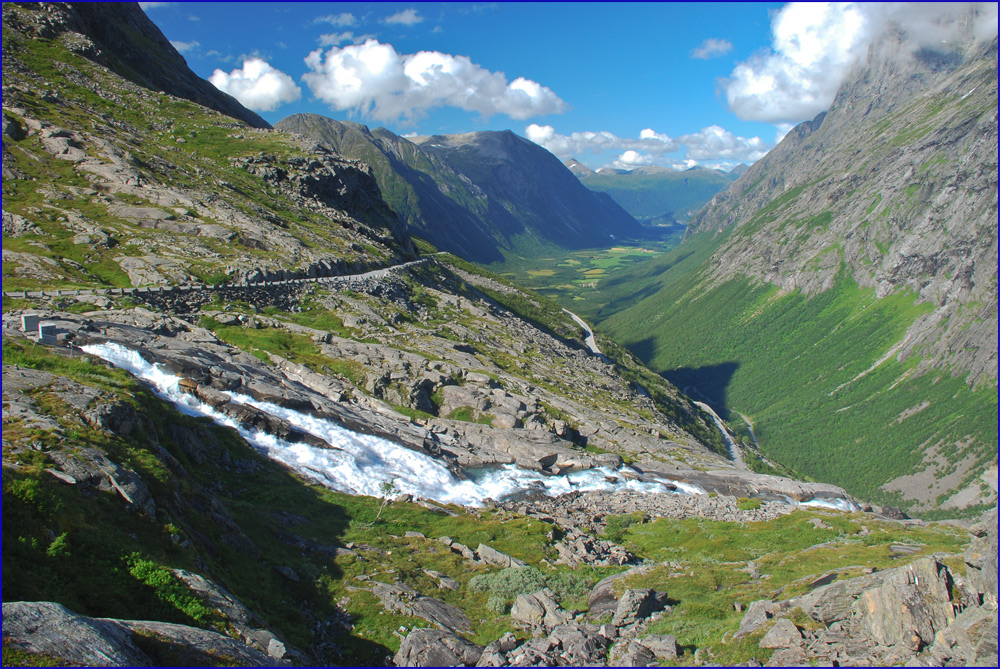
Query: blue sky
{"type": "Point", "coordinates": [624, 84]}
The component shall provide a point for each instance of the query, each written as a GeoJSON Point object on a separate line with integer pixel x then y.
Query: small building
{"type": "Point", "coordinates": [47, 332]}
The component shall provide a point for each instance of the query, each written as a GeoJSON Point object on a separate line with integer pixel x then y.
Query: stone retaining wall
{"type": "Point", "coordinates": [172, 296]}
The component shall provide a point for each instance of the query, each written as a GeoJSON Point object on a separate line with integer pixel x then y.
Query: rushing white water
{"type": "Point", "coordinates": [836, 503]}
{"type": "Point", "coordinates": [361, 464]}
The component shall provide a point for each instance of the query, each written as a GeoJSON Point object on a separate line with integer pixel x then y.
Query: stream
{"type": "Point", "coordinates": [360, 464]}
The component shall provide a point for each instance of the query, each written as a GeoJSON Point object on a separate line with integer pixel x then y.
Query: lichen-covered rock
{"type": "Point", "coordinates": [981, 560]}
{"type": "Point", "coordinates": [636, 605]}
{"type": "Point", "coordinates": [539, 609]}
{"type": "Point", "coordinates": [910, 606]}
{"type": "Point", "coordinates": [784, 634]}
{"type": "Point", "coordinates": [435, 648]}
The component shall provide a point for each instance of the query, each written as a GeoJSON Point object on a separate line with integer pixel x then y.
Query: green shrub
{"type": "Point", "coordinates": [505, 585]}
{"type": "Point", "coordinates": [616, 526]}
{"type": "Point", "coordinates": [748, 503]}
{"type": "Point", "coordinates": [168, 587]}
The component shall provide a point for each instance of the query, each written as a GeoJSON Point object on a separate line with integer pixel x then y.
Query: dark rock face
{"type": "Point", "coordinates": [110, 34]}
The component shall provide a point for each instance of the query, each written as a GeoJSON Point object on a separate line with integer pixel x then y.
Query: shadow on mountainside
{"type": "Point", "coordinates": [709, 384]}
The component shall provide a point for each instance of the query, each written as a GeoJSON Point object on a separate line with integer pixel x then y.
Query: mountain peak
{"type": "Point", "coordinates": [121, 37]}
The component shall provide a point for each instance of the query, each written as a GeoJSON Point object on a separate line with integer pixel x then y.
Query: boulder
{"type": "Point", "coordinates": [50, 628]}
{"type": "Point", "coordinates": [582, 645]}
{"type": "Point", "coordinates": [498, 559]}
{"type": "Point", "coordinates": [664, 646]}
{"type": "Point", "coordinates": [436, 648]}
{"type": "Point", "coordinates": [971, 640]}
{"type": "Point", "coordinates": [758, 613]}
{"type": "Point", "coordinates": [911, 605]}
{"type": "Point", "coordinates": [630, 654]}
{"type": "Point", "coordinates": [784, 634]}
{"type": "Point", "coordinates": [636, 605]}
{"type": "Point", "coordinates": [400, 598]}
{"type": "Point", "coordinates": [539, 609]}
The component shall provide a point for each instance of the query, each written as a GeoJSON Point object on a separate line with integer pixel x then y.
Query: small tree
{"type": "Point", "coordinates": [388, 490]}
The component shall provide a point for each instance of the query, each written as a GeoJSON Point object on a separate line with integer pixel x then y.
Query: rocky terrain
{"type": "Point", "coordinates": [905, 211]}
{"type": "Point", "coordinates": [300, 477]}
{"type": "Point", "coordinates": [479, 195]}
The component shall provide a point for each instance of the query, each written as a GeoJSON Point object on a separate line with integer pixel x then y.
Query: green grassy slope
{"type": "Point", "coordinates": [798, 367]}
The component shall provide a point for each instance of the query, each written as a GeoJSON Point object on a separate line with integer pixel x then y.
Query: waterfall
{"type": "Point", "coordinates": [360, 464]}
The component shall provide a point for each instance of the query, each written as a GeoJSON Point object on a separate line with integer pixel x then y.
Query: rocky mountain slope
{"type": "Point", "coordinates": [480, 195]}
{"type": "Point", "coordinates": [290, 459]}
{"type": "Point", "coordinates": [859, 259]}
{"type": "Point", "coordinates": [657, 195]}
{"type": "Point", "coordinates": [123, 39]}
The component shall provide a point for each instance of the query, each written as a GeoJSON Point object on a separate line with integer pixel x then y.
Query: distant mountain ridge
{"type": "Point", "coordinates": [480, 195]}
{"type": "Point", "coordinates": [655, 194]}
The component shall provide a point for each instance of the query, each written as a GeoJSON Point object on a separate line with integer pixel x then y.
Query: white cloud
{"type": "Point", "coordinates": [407, 17]}
{"type": "Point", "coordinates": [716, 143]}
{"type": "Point", "coordinates": [153, 5]}
{"type": "Point", "coordinates": [815, 46]}
{"type": "Point", "coordinates": [184, 47]}
{"type": "Point", "coordinates": [335, 39]}
{"type": "Point", "coordinates": [257, 85]}
{"type": "Point", "coordinates": [631, 159]}
{"type": "Point", "coordinates": [340, 20]}
{"type": "Point", "coordinates": [567, 146]}
{"type": "Point", "coordinates": [712, 48]}
{"type": "Point", "coordinates": [780, 130]}
{"type": "Point", "coordinates": [374, 80]}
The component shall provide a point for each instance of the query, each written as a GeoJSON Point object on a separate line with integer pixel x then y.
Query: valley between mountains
{"type": "Point", "coordinates": [275, 397]}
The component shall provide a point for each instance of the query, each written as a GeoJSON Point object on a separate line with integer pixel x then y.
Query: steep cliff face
{"type": "Point", "coordinates": [121, 37]}
{"type": "Point", "coordinates": [843, 292]}
{"type": "Point", "coordinates": [479, 195]}
{"type": "Point", "coordinates": [896, 183]}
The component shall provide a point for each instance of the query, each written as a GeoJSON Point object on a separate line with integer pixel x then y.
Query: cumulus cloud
{"type": "Point", "coordinates": [567, 146]}
{"type": "Point", "coordinates": [145, 6]}
{"type": "Point", "coordinates": [815, 46]}
{"type": "Point", "coordinates": [339, 20]}
{"type": "Point", "coordinates": [712, 48]}
{"type": "Point", "coordinates": [184, 47]}
{"type": "Point", "coordinates": [407, 17]}
{"type": "Point", "coordinates": [374, 80]}
{"type": "Point", "coordinates": [257, 85]}
{"type": "Point", "coordinates": [631, 159]}
{"type": "Point", "coordinates": [716, 143]}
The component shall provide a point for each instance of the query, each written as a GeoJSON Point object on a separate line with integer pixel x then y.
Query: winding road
{"type": "Point", "coordinates": [734, 451]}
{"type": "Point", "coordinates": [588, 337]}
